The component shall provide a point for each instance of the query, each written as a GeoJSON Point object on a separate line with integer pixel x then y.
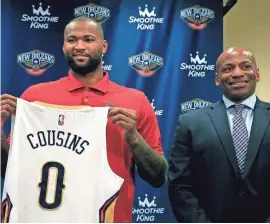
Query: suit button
{"type": "Point", "coordinates": [241, 194]}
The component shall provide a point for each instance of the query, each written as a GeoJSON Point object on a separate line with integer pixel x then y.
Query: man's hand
{"type": "Point", "coordinates": [151, 166]}
{"type": "Point", "coordinates": [8, 107]}
{"type": "Point", "coordinates": [127, 120]}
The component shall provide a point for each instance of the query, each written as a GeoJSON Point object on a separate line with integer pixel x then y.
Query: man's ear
{"type": "Point", "coordinates": [104, 46]}
{"type": "Point", "coordinates": [217, 79]}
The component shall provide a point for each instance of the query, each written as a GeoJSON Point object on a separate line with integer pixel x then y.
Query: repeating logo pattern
{"type": "Point", "coordinates": [41, 17]}
{"type": "Point", "coordinates": [96, 12]}
{"type": "Point", "coordinates": [147, 210]}
{"type": "Point", "coordinates": [146, 63]}
{"type": "Point", "coordinates": [194, 104]}
{"type": "Point", "coordinates": [197, 17]}
{"type": "Point", "coordinates": [35, 62]}
{"type": "Point", "coordinates": [198, 66]}
{"type": "Point", "coordinates": [146, 19]}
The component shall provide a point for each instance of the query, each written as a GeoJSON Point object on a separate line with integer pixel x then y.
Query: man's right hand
{"type": "Point", "coordinates": [8, 106]}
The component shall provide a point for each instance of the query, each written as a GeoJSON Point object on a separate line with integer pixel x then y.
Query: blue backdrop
{"type": "Point", "coordinates": [167, 49]}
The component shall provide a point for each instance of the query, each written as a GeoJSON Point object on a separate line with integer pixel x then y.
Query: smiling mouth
{"type": "Point", "coordinates": [238, 84]}
{"type": "Point", "coordinates": [233, 83]}
{"type": "Point", "coordinates": [80, 57]}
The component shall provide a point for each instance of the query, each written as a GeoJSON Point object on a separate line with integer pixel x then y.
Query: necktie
{"type": "Point", "coordinates": [240, 137]}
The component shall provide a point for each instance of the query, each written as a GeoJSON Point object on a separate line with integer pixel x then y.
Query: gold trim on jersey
{"type": "Point", "coordinates": [109, 213]}
{"type": "Point", "coordinates": [7, 206]}
{"type": "Point", "coordinates": [7, 212]}
{"type": "Point", "coordinates": [61, 106]}
{"type": "Point", "coordinates": [106, 212]}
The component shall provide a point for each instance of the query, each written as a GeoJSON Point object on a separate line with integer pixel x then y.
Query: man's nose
{"type": "Point", "coordinates": [80, 45]}
{"type": "Point", "coordinates": [237, 72]}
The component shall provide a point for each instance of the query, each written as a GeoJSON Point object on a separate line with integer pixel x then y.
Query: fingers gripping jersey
{"type": "Point", "coordinates": [58, 169]}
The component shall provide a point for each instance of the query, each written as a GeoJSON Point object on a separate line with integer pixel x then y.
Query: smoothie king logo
{"type": "Point", "coordinates": [147, 209]}
{"type": "Point", "coordinates": [147, 19]}
{"type": "Point", "coordinates": [41, 17]}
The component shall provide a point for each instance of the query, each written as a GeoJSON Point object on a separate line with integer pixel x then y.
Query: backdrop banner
{"type": "Point", "coordinates": [167, 49]}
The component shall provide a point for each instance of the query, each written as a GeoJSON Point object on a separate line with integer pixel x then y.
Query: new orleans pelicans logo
{"type": "Point", "coordinates": [197, 17]}
{"type": "Point", "coordinates": [146, 64]}
{"type": "Point", "coordinates": [194, 104]}
{"type": "Point", "coordinates": [98, 13]}
{"type": "Point", "coordinates": [35, 62]}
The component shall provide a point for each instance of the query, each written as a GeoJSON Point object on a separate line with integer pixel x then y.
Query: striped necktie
{"type": "Point", "coordinates": [240, 137]}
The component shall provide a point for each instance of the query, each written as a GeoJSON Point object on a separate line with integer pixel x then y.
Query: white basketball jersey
{"type": "Point", "coordinates": [58, 169]}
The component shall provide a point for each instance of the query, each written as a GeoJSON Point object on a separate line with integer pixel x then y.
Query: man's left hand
{"type": "Point", "coordinates": [127, 120]}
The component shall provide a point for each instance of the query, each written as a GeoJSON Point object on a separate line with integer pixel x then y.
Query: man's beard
{"type": "Point", "coordinates": [84, 69]}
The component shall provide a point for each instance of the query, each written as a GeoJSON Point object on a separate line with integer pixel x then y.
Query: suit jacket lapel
{"type": "Point", "coordinates": [260, 122]}
{"type": "Point", "coordinates": [218, 115]}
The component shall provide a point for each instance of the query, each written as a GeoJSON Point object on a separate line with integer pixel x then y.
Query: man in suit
{"type": "Point", "coordinates": [220, 160]}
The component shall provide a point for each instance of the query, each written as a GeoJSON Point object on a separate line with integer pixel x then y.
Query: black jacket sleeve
{"type": "Point", "coordinates": [183, 202]}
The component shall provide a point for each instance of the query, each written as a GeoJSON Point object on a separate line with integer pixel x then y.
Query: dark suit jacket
{"type": "Point", "coordinates": [204, 179]}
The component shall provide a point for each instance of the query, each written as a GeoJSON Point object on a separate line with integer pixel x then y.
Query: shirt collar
{"type": "Point", "coordinates": [249, 102]}
{"type": "Point", "coordinates": [102, 85]}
